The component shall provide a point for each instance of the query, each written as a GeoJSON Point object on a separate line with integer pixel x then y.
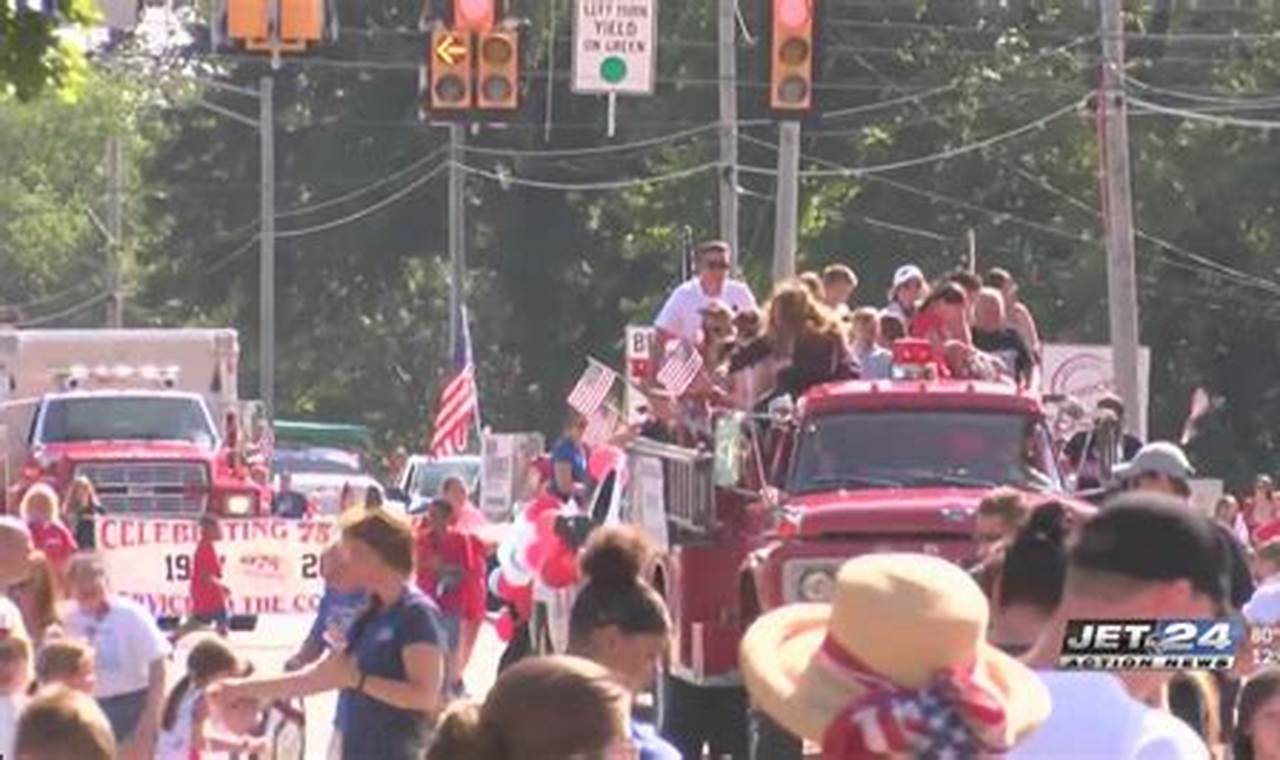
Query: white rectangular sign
{"type": "Point", "coordinates": [504, 472]}
{"type": "Point", "coordinates": [615, 46]}
{"type": "Point", "coordinates": [272, 565]}
{"type": "Point", "coordinates": [639, 354]}
{"type": "Point", "coordinates": [1084, 373]}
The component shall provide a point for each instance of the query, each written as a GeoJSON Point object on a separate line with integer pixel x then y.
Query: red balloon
{"type": "Point", "coordinates": [504, 625]}
{"type": "Point", "coordinates": [560, 570]}
{"type": "Point", "coordinates": [539, 506]}
{"type": "Point", "coordinates": [603, 459]}
{"type": "Point", "coordinates": [523, 602]}
{"type": "Point", "coordinates": [508, 591]}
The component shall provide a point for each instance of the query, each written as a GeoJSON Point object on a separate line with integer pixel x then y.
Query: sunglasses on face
{"type": "Point", "coordinates": [716, 264]}
{"type": "Point", "coordinates": [988, 538]}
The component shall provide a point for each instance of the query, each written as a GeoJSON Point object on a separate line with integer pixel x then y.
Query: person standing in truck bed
{"type": "Point", "coordinates": [40, 509]}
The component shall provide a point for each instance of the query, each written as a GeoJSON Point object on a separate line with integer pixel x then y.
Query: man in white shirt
{"type": "Point", "coordinates": [1143, 557]}
{"type": "Point", "coordinates": [129, 656]}
{"type": "Point", "coordinates": [15, 550]}
{"type": "Point", "coordinates": [681, 315]}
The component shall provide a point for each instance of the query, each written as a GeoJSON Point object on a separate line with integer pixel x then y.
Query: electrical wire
{"type": "Point", "coordinates": [511, 179]}
{"type": "Point", "coordinates": [397, 174]}
{"type": "Point", "coordinates": [932, 158]}
{"type": "Point", "coordinates": [603, 149]}
{"type": "Point", "coordinates": [67, 312]}
{"type": "Point", "coordinates": [1220, 121]}
{"type": "Point", "coordinates": [905, 229]}
{"type": "Point", "coordinates": [222, 262]}
{"type": "Point", "coordinates": [1165, 247]}
{"type": "Point", "coordinates": [52, 297]}
{"type": "Point", "coordinates": [371, 209]}
{"type": "Point", "coordinates": [1199, 97]}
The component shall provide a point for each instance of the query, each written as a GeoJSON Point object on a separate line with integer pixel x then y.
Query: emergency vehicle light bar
{"type": "Point", "coordinates": [81, 376]}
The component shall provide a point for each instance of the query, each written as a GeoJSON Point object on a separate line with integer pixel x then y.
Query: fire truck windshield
{"type": "Point", "coordinates": [892, 449]}
{"type": "Point", "coordinates": [125, 418]}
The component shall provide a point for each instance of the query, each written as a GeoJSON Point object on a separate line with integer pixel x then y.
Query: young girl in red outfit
{"type": "Point", "coordinates": [40, 509]}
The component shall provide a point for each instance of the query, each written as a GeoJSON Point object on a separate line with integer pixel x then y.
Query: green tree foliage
{"type": "Point", "coordinates": [32, 55]}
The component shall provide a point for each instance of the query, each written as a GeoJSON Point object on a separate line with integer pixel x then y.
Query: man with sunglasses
{"type": "Point", "coordinates": [681, 315]}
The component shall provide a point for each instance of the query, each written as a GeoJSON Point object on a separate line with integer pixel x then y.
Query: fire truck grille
{"type": "Point", "coordinates": [149, 487]}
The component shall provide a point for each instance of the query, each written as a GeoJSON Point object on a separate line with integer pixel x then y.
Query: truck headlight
{"type": "Point", "coordinates": [817, 585]}
{"type": "Point", "coordinates": [239, 504]}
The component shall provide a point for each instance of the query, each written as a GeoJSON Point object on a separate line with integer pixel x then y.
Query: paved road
{"type": "Point", "coordinates": [277, 637]}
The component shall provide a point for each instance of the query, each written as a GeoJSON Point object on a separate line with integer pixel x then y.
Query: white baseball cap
{"type": "Point", "coordinates": [906, 273]}
{"type": "Point", "coordinates": [1158, 458]}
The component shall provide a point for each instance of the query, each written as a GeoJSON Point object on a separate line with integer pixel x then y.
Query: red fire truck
{"type": "Point", "coordinates": [151, 417]}
{"type": "Point", "coordinates": [765, 514]}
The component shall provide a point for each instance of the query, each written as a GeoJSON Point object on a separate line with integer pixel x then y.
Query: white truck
{"type": "Point", "coordinates": [152, 417]}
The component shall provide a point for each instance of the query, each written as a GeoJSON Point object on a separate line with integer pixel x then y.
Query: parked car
{"type": "Point", "coordinates": [423, 477]}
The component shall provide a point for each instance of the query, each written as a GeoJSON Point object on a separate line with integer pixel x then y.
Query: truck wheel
{"type": "Point", "coordinates": [769, 741]}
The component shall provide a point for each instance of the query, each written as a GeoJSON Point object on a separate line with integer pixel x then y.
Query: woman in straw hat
{"type": "Point", "coordinates": [898, 665]}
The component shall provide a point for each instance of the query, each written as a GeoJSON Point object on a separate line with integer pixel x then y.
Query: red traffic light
{"type": "Point", "coordinates": [474, 15]}
{"type": "Point", "coordinates": [498, 70]}
{"type": "Point", "coordinates": [791, 56]}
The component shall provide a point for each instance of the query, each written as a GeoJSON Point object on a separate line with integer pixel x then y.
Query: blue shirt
{"type": "Point", "coordinates": [652, 746]}
{"type": "Point", "coordinates": [876, 364]}
{"type": "Point", "coordinates": [566, 450]}
{"type": "Point", "coordinates": [375, 729]}
{"type": "Point", "coordinates": [338, 610]}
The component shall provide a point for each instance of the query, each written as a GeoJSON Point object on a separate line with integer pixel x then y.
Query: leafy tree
{"type": "Point", "coordinates": [32, 54]}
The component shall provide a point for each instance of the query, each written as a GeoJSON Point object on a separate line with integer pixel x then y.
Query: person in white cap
{"type": "Point", "coordinates": [908, 290]}
{"type": "Point", "coordinates": [1158, 467]}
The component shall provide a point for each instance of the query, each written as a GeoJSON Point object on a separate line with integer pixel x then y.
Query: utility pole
{"type": "Point", "coordinates": [788, 201]}
{"type": "Point", "coordinates": [457, 231]}
{"type": "Point", "coordinates": [115, 226]}
{"type": "Point", "coordinates": [729, 126]}
{"type": "Point", "coordinates": [1113, 150]}
{"type": "Point", "coordinates": [267, 246]}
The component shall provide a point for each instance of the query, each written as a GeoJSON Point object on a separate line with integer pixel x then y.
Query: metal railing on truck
{"type": "Point", "coordinates": [688, 484]}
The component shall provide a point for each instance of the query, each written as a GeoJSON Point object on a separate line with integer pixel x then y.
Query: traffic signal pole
{"type": "Point", "coordinates": [457, 230]}
{"type": "Point", "coordinates": [728, 65]}
{"type": "Point", "coordinates": [267, 246]}
{"type": "Point", "coordinates": [787, 203]}
{"type": "Point", "coordinates": [1113, 151]}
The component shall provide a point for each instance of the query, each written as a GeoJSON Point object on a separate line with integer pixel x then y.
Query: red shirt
{"type": "Point", "coordinates": [54, 540]}
{"type": "Point", "coordinates": [206, 575]}
{"type": "Point", "coordinates": [447, 568]}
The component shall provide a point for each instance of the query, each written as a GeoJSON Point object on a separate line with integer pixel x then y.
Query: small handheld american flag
{"type": "Point", "coordinates": [601, 426]}
{"type": "Point", "coordinates": [592, 388]}
{"type": "Point", "coordinates": [680, 368]}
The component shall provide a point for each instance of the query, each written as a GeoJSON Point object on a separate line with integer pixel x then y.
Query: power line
{"type": "Point", "coordinates": [67, 312]}
{"type": "Point", "coordinates": [905, 229]}
{"type": "Point", "coordinates": [1219, 121]}
{"type": "Point", "coordinates": [371, 209]}
{"type": "Point", "coordinates": [1165, 247]}
{"type": "Point", "coordinates": [604, 149]}
{"type": "Point", "coordinates": [1201, 96]}
{"type": "Point", "coordinates": [945, 155]}
{"type": "Point", "coordinates": [303, 210]}
{"type": "Point", "coordinates": [511, 179]}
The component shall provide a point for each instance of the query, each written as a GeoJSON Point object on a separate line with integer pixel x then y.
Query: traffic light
{"type": "Point", "coordinates": [301, 20]}
{"type": "Point", "coordinates": [449, 74]}
{"type": "Point", "coordinates": [791, 56]}
{"type": "Point", "coordinates": [498, 70]}
{"type": "Point", "coordinates": [474, 15]}
{"type": "Point", "coordinates": [247, 20]}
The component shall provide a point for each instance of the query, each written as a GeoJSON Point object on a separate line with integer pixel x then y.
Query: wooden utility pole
{"type": "Point", "coordinates": [1113, 151]}
{"type": "Point", "coordinates": [728, 65]}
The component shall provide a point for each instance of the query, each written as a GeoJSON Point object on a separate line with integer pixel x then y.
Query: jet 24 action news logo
{"type": "Point", "coordinates": [1151, 644]}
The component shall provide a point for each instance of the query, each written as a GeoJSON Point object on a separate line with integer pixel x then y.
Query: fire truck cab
{"type": "Point", "coordinates": [766, 513]}
{"type": "Point", "coordinates": [151, 417]}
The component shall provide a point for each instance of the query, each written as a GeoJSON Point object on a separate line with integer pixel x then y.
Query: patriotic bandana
{"type": "Point", "coordinates": [953, 717]}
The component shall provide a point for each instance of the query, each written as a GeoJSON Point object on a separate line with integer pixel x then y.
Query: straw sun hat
{"type": "Point", "coordinates": [897, 665]}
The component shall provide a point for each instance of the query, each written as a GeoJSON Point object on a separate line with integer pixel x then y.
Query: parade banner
{"type": "Point", "coordinates": [272, 565]}
{"type": "Point", "coordinates": [1084, 373]}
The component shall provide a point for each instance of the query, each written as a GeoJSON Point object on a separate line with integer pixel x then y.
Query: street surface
{"type": "Point", "coordinates": [277, 638]}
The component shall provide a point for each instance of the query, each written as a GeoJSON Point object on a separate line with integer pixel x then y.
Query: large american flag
{"type": "Point", "coordinates": [458, 402]}
{"type": "Point", "coordinates": [593, 388]}
{"type": "Point", "coordinates": [680, 367]}
{"type": "Point", "coordinates": [602, 426]}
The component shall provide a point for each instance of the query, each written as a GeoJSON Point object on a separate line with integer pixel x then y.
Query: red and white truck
{"type": "Point", "coordinates": [151, 416]}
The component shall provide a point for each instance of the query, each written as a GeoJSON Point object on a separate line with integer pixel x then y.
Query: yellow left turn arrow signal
{"type": "Point", "coordinates": [450, 49]}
